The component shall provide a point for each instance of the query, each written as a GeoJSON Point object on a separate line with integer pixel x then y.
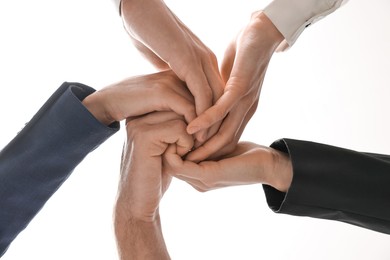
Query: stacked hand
{"type": "Point", "coordinates": [140, 95]}
{"type": "Point", "coordinates": [243, 70]}
{"type": "Point", "coordinates": [249, 163]}
{"type": "Point", "coordinates": [167, 43]}
{"type": "Point", "coordinates": [211, 105]}
{"type": "Point", "coordinates": [143, 183]}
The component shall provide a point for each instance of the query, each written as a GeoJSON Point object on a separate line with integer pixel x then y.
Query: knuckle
{"type": "Point", "coordinates": [213, 58]}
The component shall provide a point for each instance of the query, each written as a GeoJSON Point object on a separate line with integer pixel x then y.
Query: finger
{"type": "Point", "coordinates": [217, 112]}
{"type": "Point", "coordinates": [160, 129]}
{"type": "Point", "coordinates": [199, 87]}
{"type": "Point", "coordinates": [215, 82]}
{"type": "Point", "coordinates": [174, 133]}
{"type": "Point", "coordinates": [228, 148]}
{"type": "Point", "coordinates": [173, 164]}
{"type": "Point", "coordinates": [210, 133]}
{"type": "Point", "coordinates": [171, 82]}
{"type": "Point", "coordinates": [228, 61]}
{"type": "Point", "coordinates": [227, 135]}
{"type": "Point", "coordinates": [214, 78]}
{"type": "Point", "coordinates": [205, 176]}
{"type": "Point", "coordinates": [196, 184]}
{"type": "Point", "coordinates": [202, 92]}
{"type": "Point", "coordinates": [171, 161]}
{"type": "Point", "coordinates": [178, 104]}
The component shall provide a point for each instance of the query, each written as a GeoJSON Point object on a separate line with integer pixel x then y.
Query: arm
{"type": "Point", "coordinates": [168, 43]}
{"type": "Point", "coordinates": [302, 178]}
{"type": "Point", "coordinates": [292, 17]}
{"type": "Point", "coordinates": [335, 183]}
{"type": "Point", "coordinates": [43, 155]}
{"type": "Point", "coordinates": [142, 184]}
{"type": "Point", "coordinates": [244, 67]}
{"type": "Point", "coordinates": [249, 163]}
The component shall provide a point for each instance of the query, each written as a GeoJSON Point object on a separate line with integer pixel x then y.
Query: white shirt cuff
{"type": "Point", "coordinates": [291, 17]}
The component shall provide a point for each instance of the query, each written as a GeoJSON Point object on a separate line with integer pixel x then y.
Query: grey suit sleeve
{"type": "Point", "coordinates": [42, 156]}
{"type": "Point", "coordinates": [335, 183]}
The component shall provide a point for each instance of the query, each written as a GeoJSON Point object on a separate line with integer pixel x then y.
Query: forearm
{"type": "Point", "coordinates": [152, 24]}
{"type": "Point", "coordinates": [42, 156]}
{"type": "Point", "coordinates": [139, 239]}
{"type": "Point", "coordinates": [335, 183]}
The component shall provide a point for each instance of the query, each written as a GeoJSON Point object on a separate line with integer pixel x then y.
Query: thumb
{"type": "Point", "coordinates": [171, 161]}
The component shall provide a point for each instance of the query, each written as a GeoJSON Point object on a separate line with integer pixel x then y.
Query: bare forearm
{"type": "Point", "coordinates": [151, 23]}
{"type": "Point", "coordinates": [138, 239]}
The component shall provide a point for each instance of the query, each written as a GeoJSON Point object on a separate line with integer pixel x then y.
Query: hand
{"type": "Point", "coordinates": [249, 163]}
{"type": "Point", "coordinates": [243, 69]}
{"type": "Point", "coordinates": [166, 41]}
{"type": "Point", "coordinates": [142, 183]}
{"type": "Point", "coordinates": [140, 95]}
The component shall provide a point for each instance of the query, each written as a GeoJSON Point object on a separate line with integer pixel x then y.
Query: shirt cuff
{"type": "Point", "coordinates": [291, 17]}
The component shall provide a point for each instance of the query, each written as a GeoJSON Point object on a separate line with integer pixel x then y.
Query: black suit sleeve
{"type": "Point", "coordinates": [42, 156]}
{"type": "Point", "coordinates": [335, 183]}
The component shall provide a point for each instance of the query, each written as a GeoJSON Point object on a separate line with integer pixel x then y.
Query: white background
{"type": "Point", "coordinates": [331, 87]}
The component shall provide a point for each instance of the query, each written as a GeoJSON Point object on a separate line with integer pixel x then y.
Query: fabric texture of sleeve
{"type": "Point", "coordinates": [42, 156]}
{"type": "Point", "coordinates": [291, 17]}
{"type": "Point", "coordinates": [336, 184]}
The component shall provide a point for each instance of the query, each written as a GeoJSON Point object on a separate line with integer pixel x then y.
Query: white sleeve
{"type": "Point", "coordinates": [291, 17]}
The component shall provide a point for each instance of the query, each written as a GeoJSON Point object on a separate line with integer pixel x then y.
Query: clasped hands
{"type": "Point", "coordinates": [207, 121]}
{"type": "Point", "coordinates": [157, 109]}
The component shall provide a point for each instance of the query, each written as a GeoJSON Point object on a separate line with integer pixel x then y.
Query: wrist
{"type": "Point", "coordinates": [97, 107]}
{"type": "Point", "coordinates": [126, 210]}
{"type": "Point", "coordinates": [264, 26]}
{"type": "Point", "coordinates": [282, 171]}
{"type": "Point", "coordinates": [137, 239]}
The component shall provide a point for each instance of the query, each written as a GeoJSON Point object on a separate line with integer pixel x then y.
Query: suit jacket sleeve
{"type": "Point", "coordinates": [335, 183]}
{"type": "Point", "coordinates": [42, 156]}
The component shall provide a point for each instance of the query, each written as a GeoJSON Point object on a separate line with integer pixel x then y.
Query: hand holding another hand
{"type": "Point", "coordinates": [243, 70]}
{"type": "Point", "coordinates": [137, 96]}
{"type": "Point", "coordinates": [142, 183]}
{"type": "Point", "coordinates": [249, 163]}
{"type": "Point", "coordinates": [168, 43]}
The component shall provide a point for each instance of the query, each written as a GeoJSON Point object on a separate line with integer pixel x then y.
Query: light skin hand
{"type": "Point", "coordinates": [243, 69]}
{"type": "Point", "coordinates": [137, 96]}
{"type": "Point", "coordinates": [163, 38]}
{"type": "Point", "coordinates": [249, 163]}
{"type": "Point", "coordinates": [142, 183]}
